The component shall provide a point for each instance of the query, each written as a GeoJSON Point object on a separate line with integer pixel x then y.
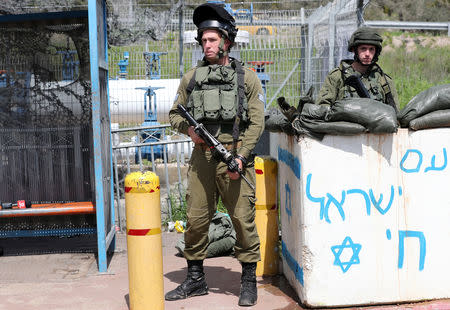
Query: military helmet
{"type": "Point", "coordinates": [214, 16]}
{"type": "Point", "coordinates": [365, 35]}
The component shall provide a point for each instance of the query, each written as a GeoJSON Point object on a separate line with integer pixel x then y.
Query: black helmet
{"type": "Point", "coordinates": [214, 16]}
{"type": "Point", "coordinates": [365, 35]}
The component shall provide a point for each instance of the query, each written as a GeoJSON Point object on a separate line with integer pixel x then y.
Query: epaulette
{"type": "Point", "coordinates": [335, 70]}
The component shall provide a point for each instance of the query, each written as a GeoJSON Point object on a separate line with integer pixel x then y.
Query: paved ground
{"type": "Point", "coordinates": [71, 281]}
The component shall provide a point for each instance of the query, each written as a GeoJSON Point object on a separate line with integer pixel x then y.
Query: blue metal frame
{"type": "Point", "coordinates": [150, 135]}
{"type": "Point", "coordinates": [123, 64]}
{"type": "Point", "coordinates": [96, 15]}
{"type": "Point", "coordinates": [70, 67]}
{"type": "Point", "coordinates": [47, 232]}
{"type": "Point", "coordinates": [104, 239]}
{"type": "Point", "coordinates": [153, 64]}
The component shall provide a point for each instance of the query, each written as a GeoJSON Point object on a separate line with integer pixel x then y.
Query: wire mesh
{"type": "Point", "coordinates": [45, 106]}
{"type": "Point", "coordinates": [44, 67]}
{"type": "Point", "coordinates": [287, 43]}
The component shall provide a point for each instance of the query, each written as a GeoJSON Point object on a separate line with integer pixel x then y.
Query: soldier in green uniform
{"type": "Point", "coordinates": [228, 100]}
{"type": "Point", "coordinates": [365, 43]}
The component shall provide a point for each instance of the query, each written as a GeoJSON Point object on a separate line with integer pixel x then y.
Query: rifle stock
{"type": "Point", "coordinates": [355, 82]}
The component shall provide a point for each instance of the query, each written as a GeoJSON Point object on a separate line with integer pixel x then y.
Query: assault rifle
{"type": "Point", "coordinates": [219, 150]}
{"type": "Point", "coordinates": [355, 82]}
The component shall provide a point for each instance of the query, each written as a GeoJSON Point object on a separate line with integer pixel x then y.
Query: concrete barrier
{"type": "Point", "coordinates": [365, 219]}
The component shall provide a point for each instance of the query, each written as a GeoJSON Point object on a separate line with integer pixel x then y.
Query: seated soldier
{"type": "Point", "coordinates": [365, 43]}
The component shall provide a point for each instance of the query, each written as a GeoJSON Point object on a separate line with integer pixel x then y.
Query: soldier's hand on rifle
{"type": "Point", "coordinates": [234, 175]}
{"type": "Point", "coordinates": [195, 137]}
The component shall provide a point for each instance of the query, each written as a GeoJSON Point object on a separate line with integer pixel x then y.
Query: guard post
{"type": "Point", "coordinates": [266, 217]}
{"type": "Point", "coordinates": [144, 241]}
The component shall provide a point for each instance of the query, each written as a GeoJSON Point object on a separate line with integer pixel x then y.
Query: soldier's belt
{"type": "Point", "coordinates": [229, 146]}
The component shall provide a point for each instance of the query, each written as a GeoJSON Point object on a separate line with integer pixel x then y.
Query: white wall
{"type": "Point", "coordinates": [127, 102]}
{"type": "Point", "coordinates": [365, 219]}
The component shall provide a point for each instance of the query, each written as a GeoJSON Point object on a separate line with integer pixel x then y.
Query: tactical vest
{"type": "Point", "coordinates": [217, 94]}
{"type": "Point", "coordinates": [377, 87]}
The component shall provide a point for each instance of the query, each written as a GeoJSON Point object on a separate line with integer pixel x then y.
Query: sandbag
{"type": "Point", "coordinates": [221, 236]}
{"type": "Point", "coordinates": [433, 99]}
{"type": "Point", "coordinates": [436, 119]}
{"type": "Point", "coordinates": [332, 128]}
{"type": "Point", "coordinates": [374, 115]}
{"type": "Point", "coordinates": [312, 123]}
{"type": "Point", "coordinates": [278, 123]}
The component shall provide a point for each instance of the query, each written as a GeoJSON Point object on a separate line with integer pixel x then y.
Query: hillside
{"type": "Point", "coordinates": [415, 62]}
{"type": "Point", "coordinates": [408, 10]}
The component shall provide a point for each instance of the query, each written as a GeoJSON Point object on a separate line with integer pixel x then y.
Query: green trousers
{"type": "Point", "coordinates": [207, 180]}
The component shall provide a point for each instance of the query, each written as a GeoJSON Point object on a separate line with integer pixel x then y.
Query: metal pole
{"type": "Point", "coordinates": [303, 60]}
{"type": "Point", "coordinates": [119, 206]}
{"type": "Point", "coordinates": [166, 170]}
{"type": "Point", "coordinates": [331, 34]}
{"type": "Point", "coordinates": [309, 55]}
{"type": "Point", "coordinates": [181, 33]}
{"type": "Point", "coordinates": [180, 187]}
{"type": "Point", "coordinates": [359, 12]}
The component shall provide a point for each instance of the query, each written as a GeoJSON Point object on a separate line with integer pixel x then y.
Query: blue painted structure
{"type": "Point", "coordinates": [153, 64]}
{"type": "Point", "coordinates": [70, 66]}
{"type": "Point", "coordinates": [123, 64]}
{"type": "Point", "coordinates": [150, 135]}
{"type": "Point", "coordinates": [104, 228]}
{"type": "Point", "coordinates": [104, 193]}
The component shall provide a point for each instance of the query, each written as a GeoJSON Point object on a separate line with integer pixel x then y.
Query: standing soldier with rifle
{"type": "Point", "coordinates": [361, 77]}
{"type": "Point", "coordinates": [227, 100]}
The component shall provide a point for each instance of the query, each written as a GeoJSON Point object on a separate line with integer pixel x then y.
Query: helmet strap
{"type": "Point", "coordinates": [222, 53]}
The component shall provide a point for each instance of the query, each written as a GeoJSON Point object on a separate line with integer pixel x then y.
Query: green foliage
{"type": "Point", "coordinates": [416, 71]}
{"type": "Point", "coordinates": [179, 208]}
{"type": "Point", "coordinates": [221, 207]}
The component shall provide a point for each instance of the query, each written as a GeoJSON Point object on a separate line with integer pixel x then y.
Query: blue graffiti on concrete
{"type": "Point", "coordinates": [288, 202]}
{"type": "Point", "coordinates": [338, 249]}
{"type": "Point", "coordinates": [338, 204]}
{"type": "Point", "coordinates": [320, 200]}
{"type": "Point", "coordinates": [402, 234]}
{"type": "Point", "coordinates": [290, 160]}
{"type": "Point", "coordinates": [292, 263]}
{"type": "Point", "coordinates": [369, 198]}
{"type": "Point", "coordinates": [377, 203]}
{"type": "Point", "coordinates": [365, 196]}
{"type": "Point", "coordinates": [419, 160]}
{"type": "Point", "coordinates": [388, 234]}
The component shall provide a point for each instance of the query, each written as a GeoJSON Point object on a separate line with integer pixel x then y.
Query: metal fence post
{"type": "Point", "coordinates": [309, 54]}
{"type": "Point", "coordinates": [331, 34]}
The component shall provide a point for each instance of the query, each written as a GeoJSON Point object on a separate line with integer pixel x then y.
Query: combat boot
{"type": "Point", "coordinates": [249, 293]}
{"type": "Point", "coordinates": [194, 285]}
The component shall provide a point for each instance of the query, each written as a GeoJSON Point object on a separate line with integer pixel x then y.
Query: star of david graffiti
{"type": "Point", "coordinates": [338, 249]}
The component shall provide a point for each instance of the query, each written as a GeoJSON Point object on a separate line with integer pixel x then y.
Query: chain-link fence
{"type": "Point", "coordinates": [288, 44]}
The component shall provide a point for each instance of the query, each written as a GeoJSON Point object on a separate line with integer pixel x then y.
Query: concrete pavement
{"type": "Point", "coordinates": [71, 281]}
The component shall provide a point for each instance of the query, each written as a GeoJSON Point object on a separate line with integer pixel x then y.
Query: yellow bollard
{"type": "Point", "coordinates": [144, 241]}
{"type": "Point", "coordinates": [267, 215]}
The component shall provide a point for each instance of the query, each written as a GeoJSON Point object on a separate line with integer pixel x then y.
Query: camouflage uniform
{"type": "Point", "coordinates": [208, 178]}
{"type": "Point", "coordinates": [334, 88]}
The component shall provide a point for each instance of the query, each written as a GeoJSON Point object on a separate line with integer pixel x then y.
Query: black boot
{"type": "Point", "coordinates": [249, 293]}
{"type": "Point", "coordinates": [194, 285]}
